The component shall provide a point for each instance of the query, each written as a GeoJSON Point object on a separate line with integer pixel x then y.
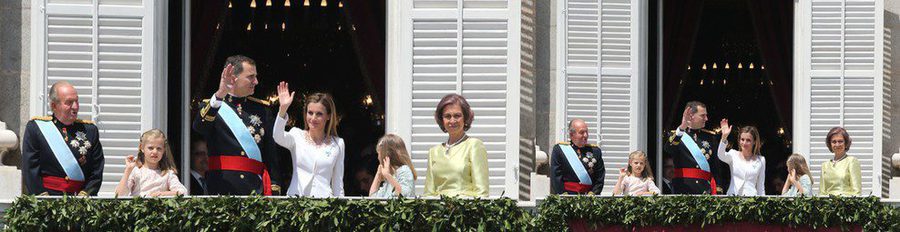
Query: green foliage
{"type": "Point", "coordinates": [810, 212]}
{"type": "Point", "coordinates": [448, 214]}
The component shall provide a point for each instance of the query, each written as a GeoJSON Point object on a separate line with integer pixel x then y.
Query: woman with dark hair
{"type": "Point", "coordinates": [748, 166]}
{"type": "Point", "coordinates": [317, 152]}
{"type": "Point", "coordinates": [841, 175]}
{"type": "Point", "coordinates": [457, 167]}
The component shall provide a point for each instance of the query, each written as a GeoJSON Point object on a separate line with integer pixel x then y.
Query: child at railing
{"type": "Point", "coordinates": [396, 173]}
{"type": "Point", "coordinates": [156, 173]}
{"type": "Point", "coordinates": [798, 182]}
{"type": "Point", "coordinates": [636, 179]}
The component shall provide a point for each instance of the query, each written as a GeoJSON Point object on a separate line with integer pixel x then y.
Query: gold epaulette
{"type": "Point", "coordinates": [708, 131]}
{"type": "Point", "coordinates": [82, 121]}
{"type": "Point", "coordinates": [260, 101]}
{"type": "Point", "coordinates": [206, 101]}
{"type": "Point", "coordinates": [42, 118]}
{"type": "Point", "coordinates": [564, 143]}
{"type": "Point", "coordinates": [593, 145]}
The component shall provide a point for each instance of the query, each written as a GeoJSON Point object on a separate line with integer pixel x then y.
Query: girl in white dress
{"type": "Point", "coordinates": [748, 167]}
{"type": "Point", "coordinates": [636, 179]}
{"type": "Point", "coordinates": [317, 152]}
{"type": "Point", "coordinates": [155, 174]}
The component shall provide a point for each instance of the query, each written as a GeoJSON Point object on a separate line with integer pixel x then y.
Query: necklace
{"type": "Point", "coordinates": [448, 145]}
{"type": "Point", "coordinates": [839, 160]}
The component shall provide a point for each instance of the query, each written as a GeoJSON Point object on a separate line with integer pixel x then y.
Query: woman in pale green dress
{"type": "Point", "coordinates": [457, 167]}
{"type": "Point", "coordinates": [396, 174]}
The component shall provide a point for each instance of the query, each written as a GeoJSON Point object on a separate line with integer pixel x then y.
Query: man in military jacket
{"type": "Point", "coordinates": [61, 154]}
{"type": "Point", "coordinates": [576, 167]}
{"type": "Point", "coordinates": [242, 154]}
{"type": "Point", "coordinates": [694, 153]}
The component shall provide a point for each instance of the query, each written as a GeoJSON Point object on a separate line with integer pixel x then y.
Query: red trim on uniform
{"type": "Point", "coordinates": [696, 173]}
{"type": "Point", "coordinates": [62, 184]}
{"type": "Point", "coordinates": [243, 164]}
{"type": "Point", "coordinates": [577, 187]}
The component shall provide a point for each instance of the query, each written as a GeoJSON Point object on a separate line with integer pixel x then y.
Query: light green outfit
{"type": "Point", "coordinates": [841, 178]}
{"type": "Point", "coordinates": [805, 182]}
{"type": "Point", "coordinates": [461, 170]}
{"type": "Point", "coordinates": [404, 177]}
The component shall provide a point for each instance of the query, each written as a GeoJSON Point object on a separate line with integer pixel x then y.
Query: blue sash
{"type": "Point", "coordinates": [576, 164]}
{"type": "Point", "coordinates": [60, 150]}
{"type": "Point", "coordinates": [695, 151]}
{"type": "Point", "coordinates": [240, 132]}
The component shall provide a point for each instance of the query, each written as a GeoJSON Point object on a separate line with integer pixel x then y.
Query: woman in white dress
{"type": "Point", "coordinates": [317, 152]}
{"type": "Point", "coordinates": [748, 166]}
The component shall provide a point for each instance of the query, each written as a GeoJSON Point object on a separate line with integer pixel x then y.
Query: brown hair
{"type": "Point", "coordinates": [392, 146]}
{"type": "Point", "coordinates": [237, 61]}
{"type": "Point", "coordinates": [695, 106]}
{"type": "Point", "coordinates": [797, 162]}
{"type": "Point", "coordinates": [167, 163]}
{"type": "Point", "coordinates": [754, 133]}
{"type": "Point", "coordinates": [647, 173]}
{"type": "Point", "coordinates": [835, 131]}
{"type": "Point", "coordinates": [327, 101]}
{"type": "Point", "coordinates": [454, 99]}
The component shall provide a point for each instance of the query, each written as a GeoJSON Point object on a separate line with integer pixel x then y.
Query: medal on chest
{"type": "Point", "coordinates": [255, 128]}
{"type": "Point", "coordinates": [80, 144]}
{"type": "Point", "coordinates": [588, 159]}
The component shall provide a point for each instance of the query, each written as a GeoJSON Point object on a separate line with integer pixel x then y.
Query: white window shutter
{"type": "Point", "coordinates": [840, 69]}
{"type": "Point", "coordinates": [598, 58]}
{"type": "Point", "coordinates": [106, 49]}
{"type": "Point", "coordinates": [467, 47]}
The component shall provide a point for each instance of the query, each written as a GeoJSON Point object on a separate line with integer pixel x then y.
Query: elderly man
{"type": "Point", "coordinates": [576, 167]}
{"type": "Point", "coordinates": [242, 154]}
{"type": "Point", "coordinates": [61, 154]}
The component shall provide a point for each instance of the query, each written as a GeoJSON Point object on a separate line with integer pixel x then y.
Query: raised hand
{"type": "Point", "coordinates": [792, 177]}
{"type": "Point", "coordinates": [726, 129]}
{"type": "Point", "coordinates": [285, 98]}
{"type": "Point", "coordinates": [623, 172]}
{"type": "Point", "coordinates": [130, 162]}
{"type": "Point", "coordinates": [685, 118]}
{"type": "Point", "coordinates": [385, 166]}
{"type": "Point", "coordinates": [226, 83]}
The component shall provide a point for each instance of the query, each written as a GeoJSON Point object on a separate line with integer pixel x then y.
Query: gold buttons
{"type": "Point", "coordinates": [242, 176]}
{"type": "Point", "coordinates": [695, 182]}
{"type": "Point", "coordinates": [243, 153]}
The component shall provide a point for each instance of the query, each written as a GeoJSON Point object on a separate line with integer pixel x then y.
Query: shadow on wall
{"type": "Point", "coordinates": [10, 72]}
{"type": "Point", "coordinates": [891, 120]}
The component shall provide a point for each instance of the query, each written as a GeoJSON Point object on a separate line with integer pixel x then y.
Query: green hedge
{"type": "Point", "coordinates": [449, 214]}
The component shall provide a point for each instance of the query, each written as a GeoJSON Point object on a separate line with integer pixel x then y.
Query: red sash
{"type": "Point", "coordinates": [243, 164]}
{"type": "Point", "coordinates": [695, 173]}
{"type": "Point", "coordinates": [576, 187]}
{"type": "Point", "coordinates": [62, 184]}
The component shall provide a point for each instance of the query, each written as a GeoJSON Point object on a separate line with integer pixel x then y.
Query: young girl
{"type": "Point", "coordinates": [156, 174]}
{"type": "Point", "coordinates": [637, 179]}
{"type": "Point", "coordinates": [799, 182]}
{"type": "Point", "coordinates": [396, 173]}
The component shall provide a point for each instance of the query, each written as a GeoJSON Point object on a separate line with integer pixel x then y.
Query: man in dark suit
{"type": "Point", "coordinates": [576, 167]}
{"type": "Point", "coordinates": [199, 165]}
{"type": "Point", "coordinates": [242, 155]}
{"type": "Point", "coordinates": [691, 149]}
{"type": "Point", "coordinates": [61, 154]}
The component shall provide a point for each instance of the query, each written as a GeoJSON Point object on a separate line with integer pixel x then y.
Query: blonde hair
{"type": "Point", "coordinates": [647, 173]}
{"type": "Point", "coordinates": [797, 162]}
{"type": "Point", "coordinates": [392, 146]}
{"type": "Point", "coordinates": [327, 101]}
{"type": "Point", "coordinates": [167, 162]}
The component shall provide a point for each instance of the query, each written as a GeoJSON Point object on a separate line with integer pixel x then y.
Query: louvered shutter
{"type": "Point", "coordinates": [840, 79]}
{"type": "Point", "coordinates": [467, 47]}
{"type": "Point", "coordinates": [598, 78]}
{"type": "Point", "coordinates": [105, 48]}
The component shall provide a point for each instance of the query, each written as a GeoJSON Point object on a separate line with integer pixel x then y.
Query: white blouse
{"type": "Point", "coordinates": [748, 177]}
{"type": "Point", "coordinates": [143, 181]}
{"type": "Point", "coordinates": [318, 171]}
{"type": "Point", "coordinates": [632, 186]}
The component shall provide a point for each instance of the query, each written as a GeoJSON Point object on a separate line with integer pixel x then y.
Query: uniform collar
{"type": "Point", "coordinates": [59, 124]}
{"type": "Point", "coordinates": [572, 143]}
{"type": "Point", "coordinates": [235, 99]}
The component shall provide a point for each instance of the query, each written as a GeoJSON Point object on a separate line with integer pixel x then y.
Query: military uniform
{"type": "Point", "coordinates": [689, 178]}
{"type": "Point", "coordinates": [231, 170]}
{"type": "Point", "coordinates": [45, 175]}
{"type": "Point", "coordinates": [563, 178]}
